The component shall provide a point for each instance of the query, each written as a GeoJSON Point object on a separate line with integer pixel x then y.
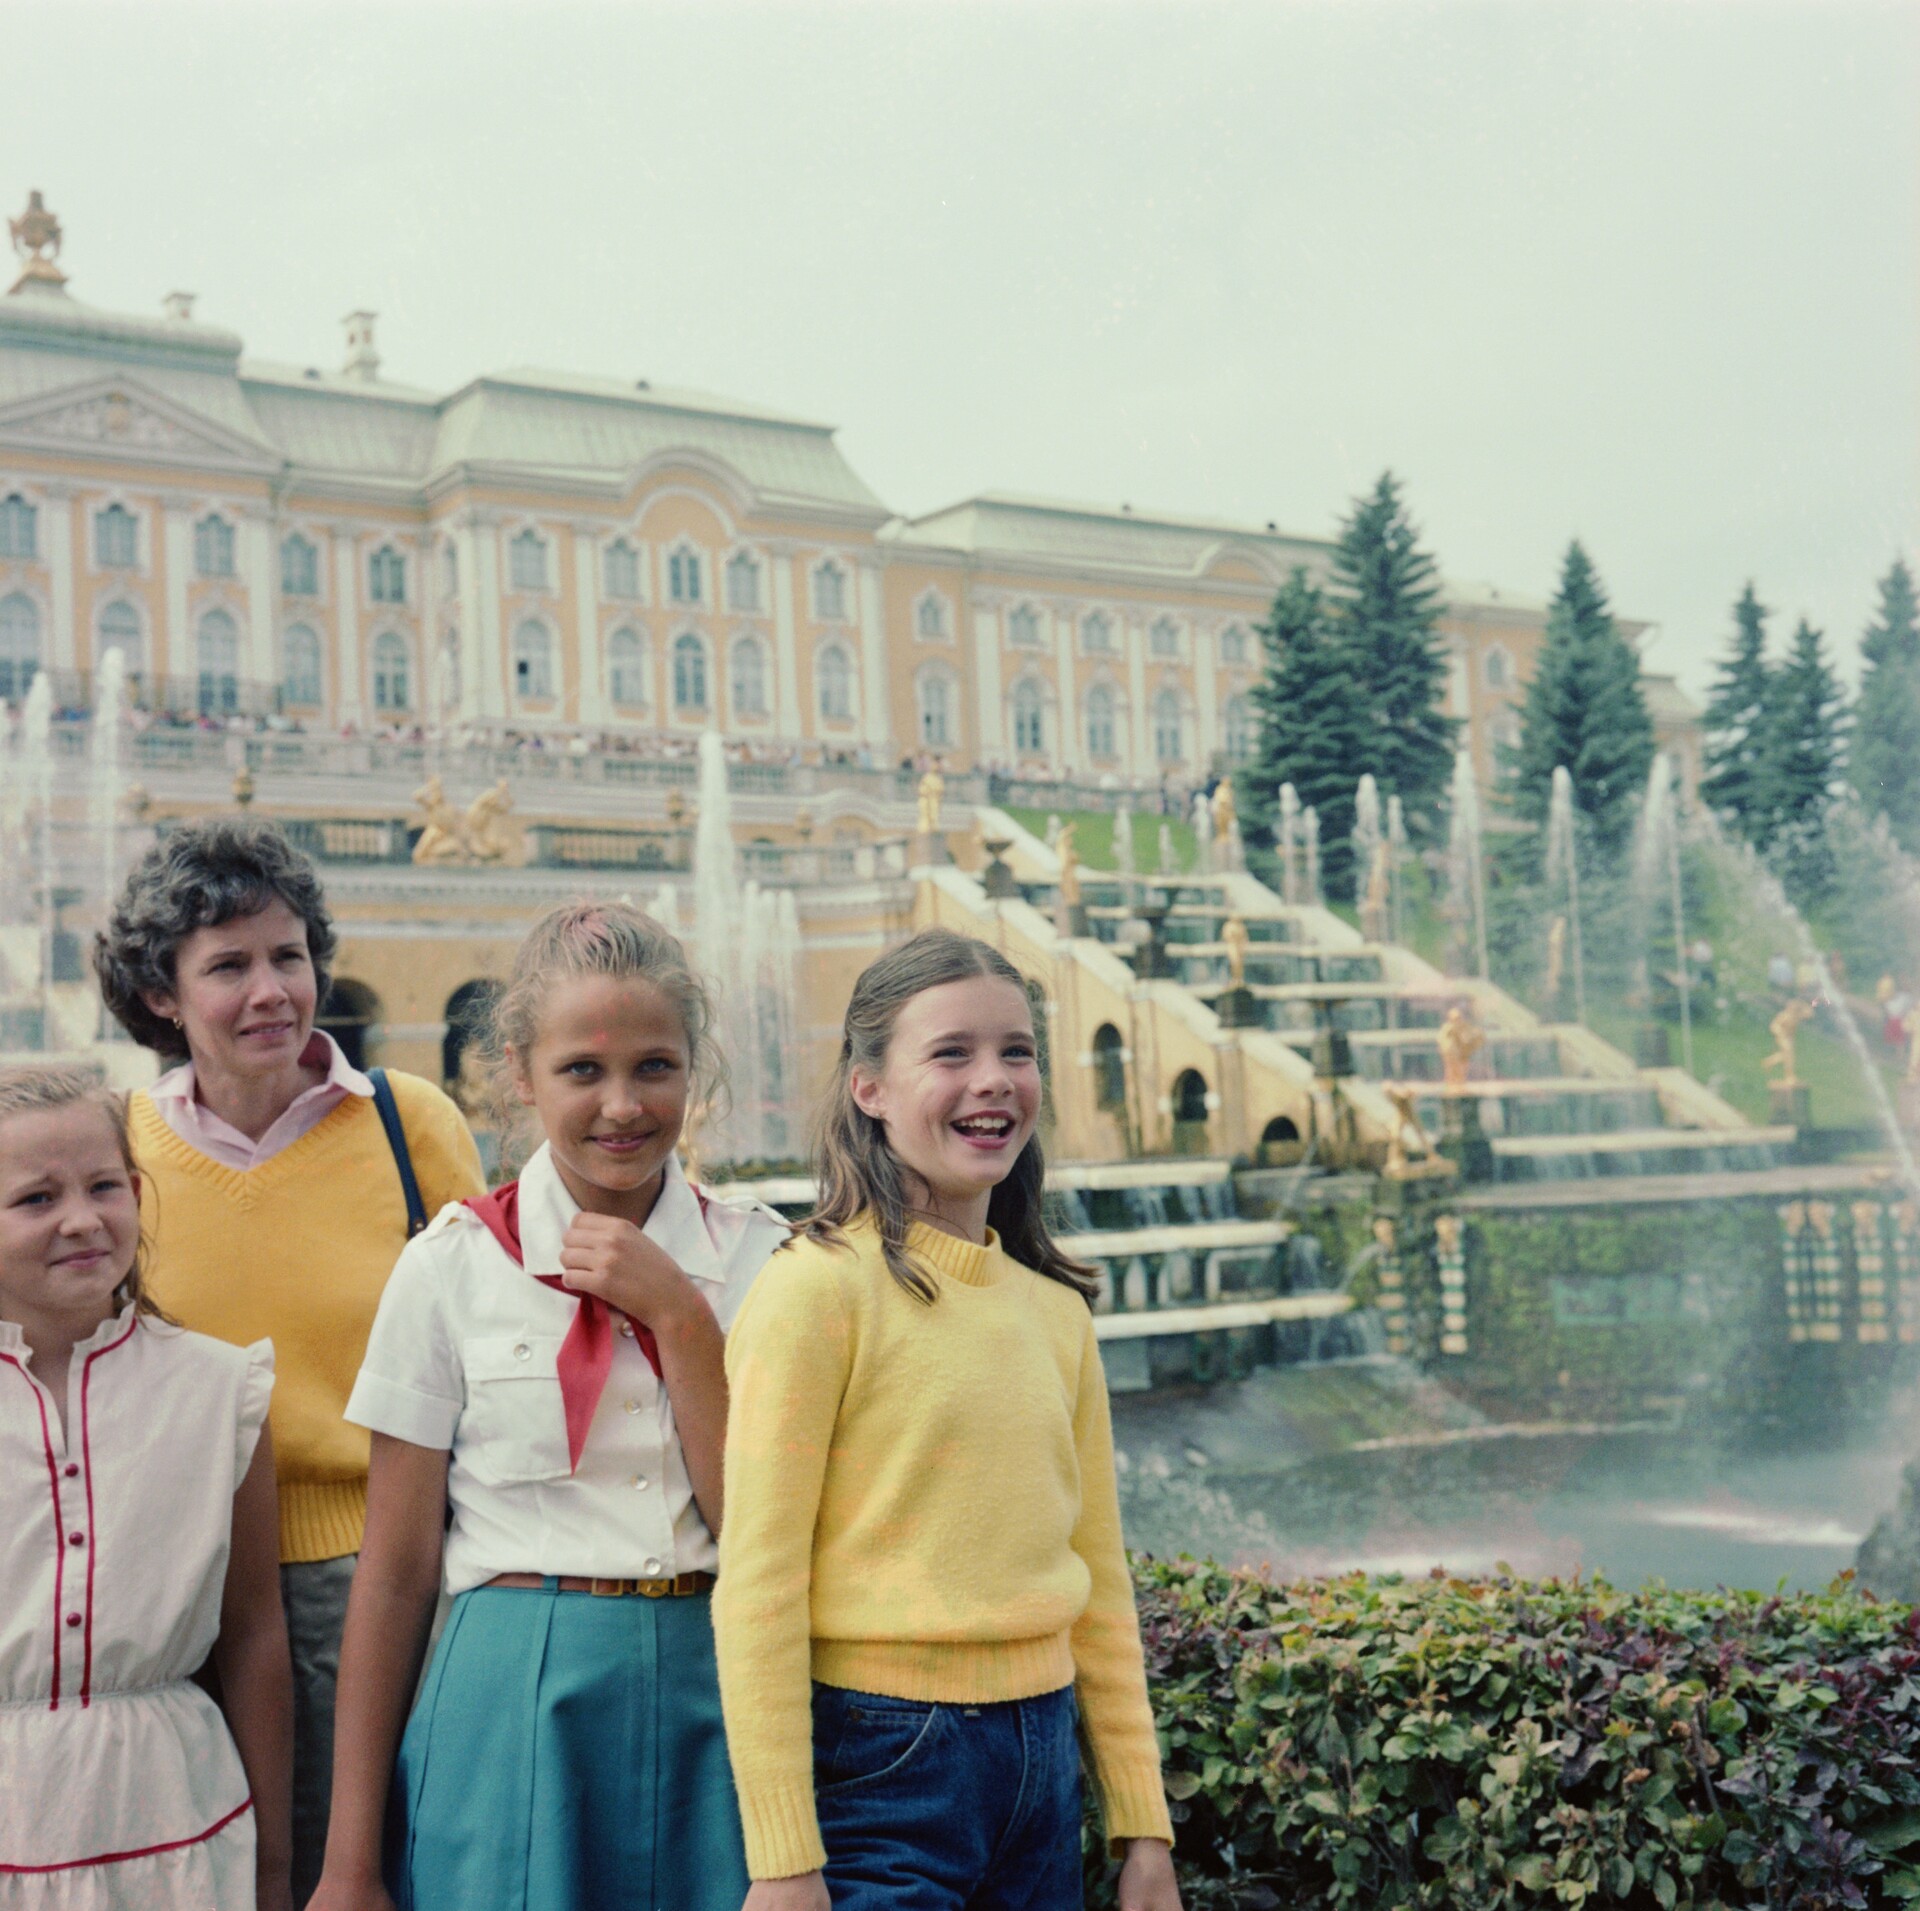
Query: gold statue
{"type": "Point", "coordinates": [488, 838]}
{"type": "Point", "coordinates": [443, 839]}
{"type": "Point", "coordinates": [1224, 813]}
{"type": "Point", "coordinates": [1446, 1231]}
{"type": "Point", "coordinates": [36, 238]}
{"type": "Point", "coordinates": [1385, 1235]}
{"type": "Point", "coordinates": [933, 786]}
{"type": "Point", "coordinates": [1460, 1041]}
{"type": "Point", "coordinates": [676, 807]}
{"type": "Point", "coordinates": [243, 787]}
{"type": "Point", "coordinates": [1408, 1140]}
{"type": "Point", "coordinates": [803, 826]}
{"type": "Point", "coordinates": [1233, 932]}
{"type": "Point", "coordinates": [1069, 868]}
{"type": "Point", "coordinates": [1784, 1028]}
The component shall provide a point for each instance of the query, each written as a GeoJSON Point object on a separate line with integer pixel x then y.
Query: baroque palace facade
{"type": "Point", "coordinates": [544, 552]}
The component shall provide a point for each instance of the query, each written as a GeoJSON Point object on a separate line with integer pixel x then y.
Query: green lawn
{"type": "Point", "coordinates": [1093, 838]}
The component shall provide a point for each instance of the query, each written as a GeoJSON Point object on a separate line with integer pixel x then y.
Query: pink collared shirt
{"type": "Point", "coordinates": [176, 1097]}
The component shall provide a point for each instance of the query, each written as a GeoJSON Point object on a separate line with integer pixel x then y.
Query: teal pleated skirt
{"type": "Point", "coordinates": [567, 1754]}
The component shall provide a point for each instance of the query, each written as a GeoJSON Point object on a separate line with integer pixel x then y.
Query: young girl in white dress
{"type": "Point", "coordinates": [138, 1535]}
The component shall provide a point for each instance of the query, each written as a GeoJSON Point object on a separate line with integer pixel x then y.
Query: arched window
{"type": "Point", "coordinates": [743, 582]}
{"type": "Point", "coordinates": [1096, 634]}
{"type": "Point", "coordinates": [219, 658]}
{"type": "Point", "coordinates": [1190, 1096]}
{"type": "Point", "coordinates": [1023, 627]}
{"type": "Point", "coordinates": [527, 561]}
{"type": "Point", "coordinates": [19, 644]}
{"type": "Point", "coordinates": [749, 683]}
{"type": "Point", "coordinates": [930, 618]}
{"type": "Point", "coordinates": [387, 576]}
{"type": "Point", "coordinates": [936, 710]}
{"type": "Point", "coordinates": [1100, 730]}
{"type": "Point", "coordinates": [213, 547]}
{"type": "Point", "coordinates": [116, 538]}
{"type": "Point", "coordinates": [1163, 640]}
{"type": "Point", "coordinates": [830, 593]}
{"type": "Point", "coordinates": [120, 630]}
{"type": "Point", "coordinates": [1237, 727]}
{"type": "Point", "coordinates": [620, 569]}
{"type": "Point", "coordinates": [683, 576]}
{"type": "Point", "coordinates": [1029, 718]}
{"type": "Point", "coordinates": [19, 528]}
{"type": "Point", "coordinates": [299, 567]}
{"type": "Point", "coordinates": [1233, 645]}
{"type": "Point", "coordinates": [689, 672]}
{"type": "Point", "coordinates": [836, 684]}
{"type": "Point", "coordinates": [1168, 743]}
{"type": "Point", "coordinates": [302, 653]}
{"type": "Point", "coordinates": [1109, 1068]}
{"type": "Point", "coordinates": [627, 669]}
{"type": "Point", "coordinates": [392, 689]}
{"type": "Point", "coordinates": [532, 661]}
{"type": "Point", "coordinates": [1499, 668]}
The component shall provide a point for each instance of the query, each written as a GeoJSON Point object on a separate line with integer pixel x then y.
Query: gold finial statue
{"type": "Point", "coordinates": [1784, 1028]}
{"type": "Point", "coordinates": [243, 788]}
{"type": "Point", "coordinates": [1069, 868]}
{"type": "Point", "coordinates": [488, 838]}
{"type": "Point", "coordinates": [442, 838]}
{"type": "Point", "coordinates": [933, 786]}
{"type": "Point", "coordinates": [1460, 1041]}
{"type": "Point", "coordinates": [1233, 933]}
{"type": "Point", "coordinates": [1224, 814]}
{"type": "Point", "coordinates": [676, 807]}
{"type": "Point", "coordinates": [36, 238]}
{"type": "Point", "coordinates": [1408, 1140]}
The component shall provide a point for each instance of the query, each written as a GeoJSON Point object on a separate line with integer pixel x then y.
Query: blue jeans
{"type": "Point", "coordinates": [948, 1807]}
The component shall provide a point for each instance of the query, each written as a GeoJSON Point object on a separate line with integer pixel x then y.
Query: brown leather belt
{"type": "Point", "coordinates": [681, 1586]}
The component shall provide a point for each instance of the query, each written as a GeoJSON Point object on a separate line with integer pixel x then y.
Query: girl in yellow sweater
{"type": "Point", "coordinates": [923, 1588]}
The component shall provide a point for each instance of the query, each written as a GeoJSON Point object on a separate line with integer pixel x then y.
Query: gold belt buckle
{"type": "Point", "coordinates": [653, 1588]}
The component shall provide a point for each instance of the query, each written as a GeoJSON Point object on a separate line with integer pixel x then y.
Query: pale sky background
{"type": "Point", "coordinates": [1648, 274]}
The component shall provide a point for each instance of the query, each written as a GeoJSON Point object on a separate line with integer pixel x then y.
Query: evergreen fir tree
{"type": "Point", "coordinates": [1312, 725]}
{"type": "Point", "coordinates": [1884, 760]}
{"type": "Point", "coordinates": [1735, 725]}
{"type": "Point", "coordinates": [1584, 707]}
{"type": "Point", "coordinates": [1800, 764]}
{"type": "Point", "coordinates": [1386, 592]}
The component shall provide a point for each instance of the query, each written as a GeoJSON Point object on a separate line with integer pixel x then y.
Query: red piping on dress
{"type": "Point", "coordinates": [93, 1530]}
{"type": "Point", "coordinates": [145, 1851]}
{"type": "Point", "coordinates": [59, 1520]}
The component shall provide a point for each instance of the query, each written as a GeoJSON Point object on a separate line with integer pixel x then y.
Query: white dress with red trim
{"type": "Point", "coordinates": [122, 1787]}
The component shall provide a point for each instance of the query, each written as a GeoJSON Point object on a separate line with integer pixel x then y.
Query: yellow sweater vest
{"type": "Point", "coordinates": [297, 1251]}
{"type": "Point", "coordinates": [921, 1503]}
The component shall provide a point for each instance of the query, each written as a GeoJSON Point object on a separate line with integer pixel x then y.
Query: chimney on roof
{"type": "Point", "coordinates": [178, 306]}
{"type": "Point", "coordinates": [362, 360]}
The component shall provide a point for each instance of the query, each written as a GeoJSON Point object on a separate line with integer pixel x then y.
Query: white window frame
{"type": "Point", "coordinates": [549, 692]}
{"type": "Point", "coordinates": [641, 673]}
{"type": "Point", "coordinates": [1102, 696]}
{"type": "Point", "coordinates": [117, 509]}
{"type": "Point", "coordinates": [319, 568]}
{"type": "Point", "coordinates": [318, 682]}
{"type": "Point", "coordinates": [839, 612]}
{"type": "Point", "coordinates": [682, 552]}
{"type": "Point", "coordinates": [1108, 623]}
{"type": "Point", "coordinates": [938, 603]}
{"type": "Point", "coordinates": [526, 541]}
{"type": "Point", "coordinates": [937, 686]}
{"type": "Point", "coordinates": [842, 676]}
{"type": "Point", "coordinates": [677, 649]}
{"type": "Point", "coordinates": [209, 530]}
{"type": "Point", "coordinates": [624, 552]}
{"type": "Point", "coordinates": [1028, 614]}
{"type": "Point", "coordinates": [383, 565]}
{"type": "Point", "coordinates": [760, 705]}
{"type": "Point", "coordinates": [1015, 711]}
{"type": "Point", "coordinates": [389, 640]}
{"type": "Point", "coordinates": [743, 562]}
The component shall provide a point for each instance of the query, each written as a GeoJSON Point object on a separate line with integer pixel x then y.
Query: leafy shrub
{"type": "Point", "coordinates": [1472, 1745]}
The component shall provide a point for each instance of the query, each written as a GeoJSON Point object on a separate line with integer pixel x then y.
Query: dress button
{"type": "Point", "coordinates": [521, 1351]}
{"type": "Point", "coordinates": [638, 1482]}
{"type": "Point", "coordinates": [73, 1618]}
{"type": "Point", "coordinates": [72, 1469]}
{"type": "Point", "coordinates": [626, 1328]}
{"type": "Point", "coordinates": [76, 1539]}
{"type": "Point", "coordinates": [653, 1567]}
{"type": "Point", "coordinates": [633, 1406]}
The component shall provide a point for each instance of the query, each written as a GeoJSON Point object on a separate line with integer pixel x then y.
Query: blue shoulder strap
{"type": "Point", "coordinates": [389, 1111]}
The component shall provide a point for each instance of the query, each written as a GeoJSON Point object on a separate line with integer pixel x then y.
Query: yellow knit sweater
{"type": "Point", "coordinates": [297, 1251]}
{"type": "Point", "coordinates": [920, 1503]}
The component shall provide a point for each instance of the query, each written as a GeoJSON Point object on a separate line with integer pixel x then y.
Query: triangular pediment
{"type": "Point", "coordinates": [123, 419]}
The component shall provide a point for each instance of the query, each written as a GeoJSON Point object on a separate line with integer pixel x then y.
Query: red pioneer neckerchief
{"type": "Point", "coordinates": [586, 1355]}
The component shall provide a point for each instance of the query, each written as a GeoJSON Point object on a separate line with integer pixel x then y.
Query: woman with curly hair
{"type": "Point", "coordinates": [280, 1184]}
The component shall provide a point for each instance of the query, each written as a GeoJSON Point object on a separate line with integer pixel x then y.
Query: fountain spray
{"type": "Point", "coordinates": [1656, 863]}
{"type": "Point", "coordinates": [1310, 832]}
{"type": "Point", "coordinates": [1396, 855]}
{"type": "Point", "coordinates": [1289, 830]}
{"type": "Point", "coordinates": [109, 697]}
{"type": "Point", "coordinates": [1466, 874]}
{"type": "Point", "coordinates": [36, 737]}
{"type": "Point", "coordinates": [1563, 860]}
{"type": "Point", "coordinates": [1366, 830]}
{"type": "Point", "coordinates": [1123, 840]}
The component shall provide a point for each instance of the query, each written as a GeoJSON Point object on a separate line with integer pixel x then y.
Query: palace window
{"type": "Point", "coordinates": [392, 688]}
{"type": "Point", "coordinates": [743, 582]}
{"type": "Point", "coordinates": [1023, 627]}
{"type": "Point", "coordinates": [219, 660]}
{"type": "Point", "coordinates": [930, 619]}
{"type": "Point", "coordinates": [1096, 634]}
{"type": "Point", "coordinates": [627, 669]}
{"type": "Point", "coordinates": [19, 528]}
{"type": "Point", "coordinates": [1237, 728]}
{"type": "Point", "coordinates": [1168, 741]}
{"type": "Point", "coordinates": [1233, 645]}
{"type": "Point", "coordinates": [213, 547]}
{"type": "Point", "coordinates": [116, 538]}
{"type": "Point", "coordinates": [683, 576]}
{"type": "Point", "coordinates": [450, 568]}
{"type": "Point", "coordinates": [830, 594]}
{"type": "Point", "coordinates": [1029, 718]}
{"type": "Point", "coordinates": [1499, 668]}
{"type": "Point", "coordinates": [1163, 640]}
{"type": "Point", "coordinates": [936, 710]}
{"type": "Point", "coordinates": [689, 672]}
{"type": "Point", "coordinates": [527, 561]}
{"type": "Point", "coordinates": [299, 567]}
{"type": "Point", "coordinates": [836, 684]}
{"type": "Point", "coordinates": [19, 644]}
{"type": "Point", "coordinates": [301, 685]}
{"type": "Point", "coordinates": [532, 661]}
{"type": "Point", "coordinates": [120, 630]}
{"type": "Point", "coordinates": [749, 686]}
{"type": "Point", "coordinates": [387, 576]}
{"type": "Point", "coordinates": [620, 570]}
{"type": "Point", "coordinates": [1100, 725]}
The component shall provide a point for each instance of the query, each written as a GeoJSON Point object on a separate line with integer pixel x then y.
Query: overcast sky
{"type": "Point", "coordinates": [1644, 274]}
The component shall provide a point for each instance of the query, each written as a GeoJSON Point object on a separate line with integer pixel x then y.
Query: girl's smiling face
{"type": "Point", "coordinates": [608, 1075]}
{"type": "Point", "coordinates": [69, 1219]}
{"type": "Point", "coordinates": [958, 1093]}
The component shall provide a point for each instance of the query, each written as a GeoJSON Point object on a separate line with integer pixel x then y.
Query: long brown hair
{"type": "Point", "coordinates": [858, 1174]}
{"type": "Point", "coordinates": [41, 1090]}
